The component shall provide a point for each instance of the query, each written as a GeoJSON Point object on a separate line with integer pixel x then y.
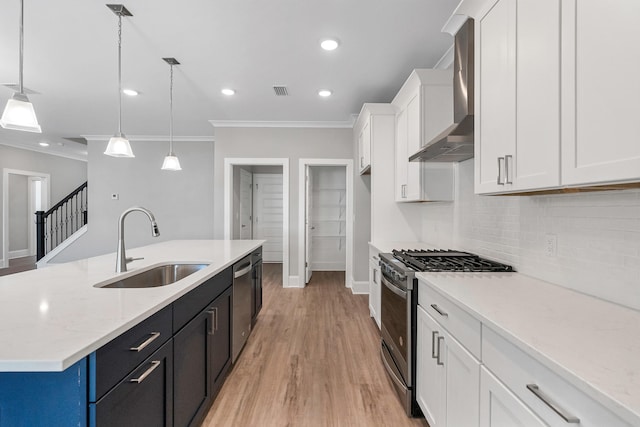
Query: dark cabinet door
{"type": "Point", "coordinates": [202, 356]}
{"type": "Point", "coordinates": [144, 397]}
{"type": "Point", "coordinates": [221, 339]}
{"type": "Point", "coordinates": [192, 357]}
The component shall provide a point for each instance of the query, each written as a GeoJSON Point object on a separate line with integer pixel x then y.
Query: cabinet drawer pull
{"type": "Point", "coordinates": [507, 159]}
{"type": "Point", "coordinates": [154, 365]}
{"type": "Point", "coordinates": [568, 418]}
{"type": "Point", "coordinates": [440, 339]}
{"type": "Point", "coordinates": [434, 334]}
{"type": "Point", "coordinates": [152, 338]}
{"type": "Point", "coordinates": [439, 310]}
{"type": "Point", "coordinates": [500, 160]}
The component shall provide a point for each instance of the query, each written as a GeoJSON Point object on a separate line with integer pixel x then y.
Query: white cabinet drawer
{"type": "Point", "coordinates": [456, 321]}
{"type": "Point", "coordinates": [521, 373]}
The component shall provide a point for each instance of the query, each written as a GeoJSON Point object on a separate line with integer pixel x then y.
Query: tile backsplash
{"type": "Point", "coordinates": [597, 235]}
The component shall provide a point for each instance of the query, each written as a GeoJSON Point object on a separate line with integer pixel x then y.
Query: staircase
{"type": "Point", "coordinates": [60, 222]}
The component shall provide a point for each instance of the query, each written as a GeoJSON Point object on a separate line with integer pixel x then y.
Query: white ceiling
{"type": "Point", "coordinates": [248, 45]}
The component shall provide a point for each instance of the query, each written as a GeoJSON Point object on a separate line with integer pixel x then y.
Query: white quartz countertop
{"type": "Point", "coordinates": [52, 317]}
{"type": "Point", "coordinates": [591, 343]}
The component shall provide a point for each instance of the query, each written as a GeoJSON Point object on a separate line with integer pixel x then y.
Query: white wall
{"type": "Point", "coordinates": [19, 212]}
{"type": "Point", "coordinates": [598, 235]}
{"type": "Point", "coordinates": [181, 201]}
{"type": "Point", "coordinates": [66, 174]}
{"type": "Point", "coordinates": [292, 143]}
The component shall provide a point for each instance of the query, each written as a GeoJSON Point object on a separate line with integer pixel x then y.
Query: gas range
{"type": "Point", "coordinates": [399, 299]}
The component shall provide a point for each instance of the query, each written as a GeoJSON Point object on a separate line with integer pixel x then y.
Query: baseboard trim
{"type": "Point", "coordinates": [294, 282]}
{"type": "Point", "coordinates": [360, 287]}
{"type": "Point", "coordinates": [19, 253]}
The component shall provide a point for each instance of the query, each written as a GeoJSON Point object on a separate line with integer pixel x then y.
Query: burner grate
{"type": "Point", "coordinates": [448, 260]}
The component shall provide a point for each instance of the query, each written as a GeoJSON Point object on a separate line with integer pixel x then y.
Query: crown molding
{"type": "Point", "coordinates": [347, 124]}
{"type": "Point", "coordinates": [152, 138]}
{"type": "Point", "coordinates": [47, 150]}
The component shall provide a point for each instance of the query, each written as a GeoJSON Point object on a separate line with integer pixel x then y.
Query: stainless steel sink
{"type": "Point", "coordinates": [161, 275]}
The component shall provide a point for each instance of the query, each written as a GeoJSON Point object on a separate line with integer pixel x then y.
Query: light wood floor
{"type": "Point", "coordinates": [312, 361]}
{"type": "Point", "coordinates": [16, 265]}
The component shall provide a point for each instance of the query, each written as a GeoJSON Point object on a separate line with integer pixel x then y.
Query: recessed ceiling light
{"type": "Point", "coordinates": [228, 92]}
{"type": "Point", "coordinates": [43, 144]}
{"type": "Point", "coordinates": [130, 92]}
{"type": "Point", "coordinates": [329, 44]}
{"type": "Point", "coordinates": [324, 93]}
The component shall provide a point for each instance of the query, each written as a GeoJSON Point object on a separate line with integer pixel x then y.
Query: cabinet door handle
{"type": "Point", "coordinates": [568, 418]}
{"type": "Point", "coordinates": [440, 362]}
{"type": "Point", "coordinates": [361, 161]}
{"type": "Point", "coordinates": [213, 320]}
{"type": "Point", "coordinates": [154, 365]}
{"type": "Point", "coordinates": [434, 335]}
{"type": "Point", "coordinates": [439, 310]}
{"type": "Point", "coordinates": [507, 159]}
{"type": "Point", "coordinates": [152, 338]}
{"type": "Point", "coordinates": [500, 160]}
{"type": "Point", "coordinates": [374, 276]}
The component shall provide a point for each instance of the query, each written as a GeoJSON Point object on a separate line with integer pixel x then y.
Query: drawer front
{"type": "Point", "coordinates": [187, 307]}
{"type": "Point", "coordinates": [374, 254]}
{"type": "Point", "coordinates": [110, 363]}
{"type": "Point", "coordinates": [464, 327]}
{"type": "Point", "coordinates": [536, 384]}
{"type": "Point", "coordinates": [144, 397]}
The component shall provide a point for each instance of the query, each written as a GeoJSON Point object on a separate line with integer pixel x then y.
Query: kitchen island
{"type": "Point", "coordinates": [53, 321]}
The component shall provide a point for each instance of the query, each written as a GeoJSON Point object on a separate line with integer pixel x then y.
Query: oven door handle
{"type": "Point", "coordinates": [393, 288]}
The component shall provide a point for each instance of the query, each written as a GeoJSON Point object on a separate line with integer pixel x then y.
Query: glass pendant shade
{"type": "Point", "coordinates": [171, 163]}
{"type": "Point", "coordinates": [20, 115]}
{"type": "Point", "coordinates": [119, 147]}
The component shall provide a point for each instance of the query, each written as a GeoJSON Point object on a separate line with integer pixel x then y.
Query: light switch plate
{"type": "Point", "coordinates": [115, 196]}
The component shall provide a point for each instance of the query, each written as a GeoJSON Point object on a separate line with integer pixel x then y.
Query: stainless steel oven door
{"type": "Point", "coordinates": [395, 319]}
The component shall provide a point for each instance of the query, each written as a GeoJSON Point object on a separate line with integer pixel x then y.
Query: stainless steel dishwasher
{"type": "Point", "coordinates": [241, 305]}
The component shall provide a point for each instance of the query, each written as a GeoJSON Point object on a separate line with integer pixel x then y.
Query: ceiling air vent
{"type": "Point", "coordinates": [281, 90]}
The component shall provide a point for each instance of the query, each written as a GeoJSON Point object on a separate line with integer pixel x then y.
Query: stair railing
{"type": "Point", "coordinates": [61, 221]}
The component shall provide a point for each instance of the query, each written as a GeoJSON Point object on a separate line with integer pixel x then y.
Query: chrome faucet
{"type": "Point", "coordinates": [121, 258]}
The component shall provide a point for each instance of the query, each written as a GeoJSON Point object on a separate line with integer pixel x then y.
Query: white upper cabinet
{"type": "Point", "coordinates": [517, 144]}
{"type": "Point", "coordinates": [362, 132]}
{"type": "Point", "coordinates": [424, 108]}
{"type": "Point", "coordinates": [600, 85]}
{"type": "Point", "coordinates": [554, 94]}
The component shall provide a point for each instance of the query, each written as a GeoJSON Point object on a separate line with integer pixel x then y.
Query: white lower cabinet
{"type": "Point", "coordinates": [447, 376]}
{"type": "Point", "coordinates": [501, 408]}
{"type": "Point", "coordinates": [374, 289]}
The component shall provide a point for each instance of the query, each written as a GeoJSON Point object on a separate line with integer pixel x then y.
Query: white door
{"type": "Point", "coordinates": [430, 372]}
{"type": "Point", "coordinates": [463, 385]}
{"type": "Point", "coordinates": [499, 407]}
{"type": "Point", "coordinates": [308, 224]}
{"type": "Point", "coordinates": [36, 203]}
{"type": "Point", "coordinates": [246, 204]}
{"type": "Point", "coordinates": [267, 214]}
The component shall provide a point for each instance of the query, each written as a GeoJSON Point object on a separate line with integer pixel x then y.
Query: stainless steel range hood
{"type": "Point", "coordinates": [455, 143]}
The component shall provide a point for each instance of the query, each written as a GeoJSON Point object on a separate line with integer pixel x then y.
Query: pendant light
{"type": "Point", "coordinates": [119, 144]}
{"type": "Point", "coordinates": [19, 113]}
{"type": "Point", "coordinates": [171, 162]}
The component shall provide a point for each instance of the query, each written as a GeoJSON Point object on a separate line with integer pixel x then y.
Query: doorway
{"type": "Point", "coordinates": [24, 192]}
{"type": "Point", "coordinates": [270, 202]}
{"type": "Point", "coordinates": [326, 211]}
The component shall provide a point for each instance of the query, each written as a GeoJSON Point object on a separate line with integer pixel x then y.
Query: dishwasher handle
{"type": "Point", "coordinates": [242, 271]}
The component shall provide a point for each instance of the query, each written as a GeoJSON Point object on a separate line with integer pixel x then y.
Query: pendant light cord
{"type": "Point", "coordinates": [119, 75]}
{"type": "Point", "coordinates": [171, 110]}
{"type": "Point", "coordinates": [21, 45]}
